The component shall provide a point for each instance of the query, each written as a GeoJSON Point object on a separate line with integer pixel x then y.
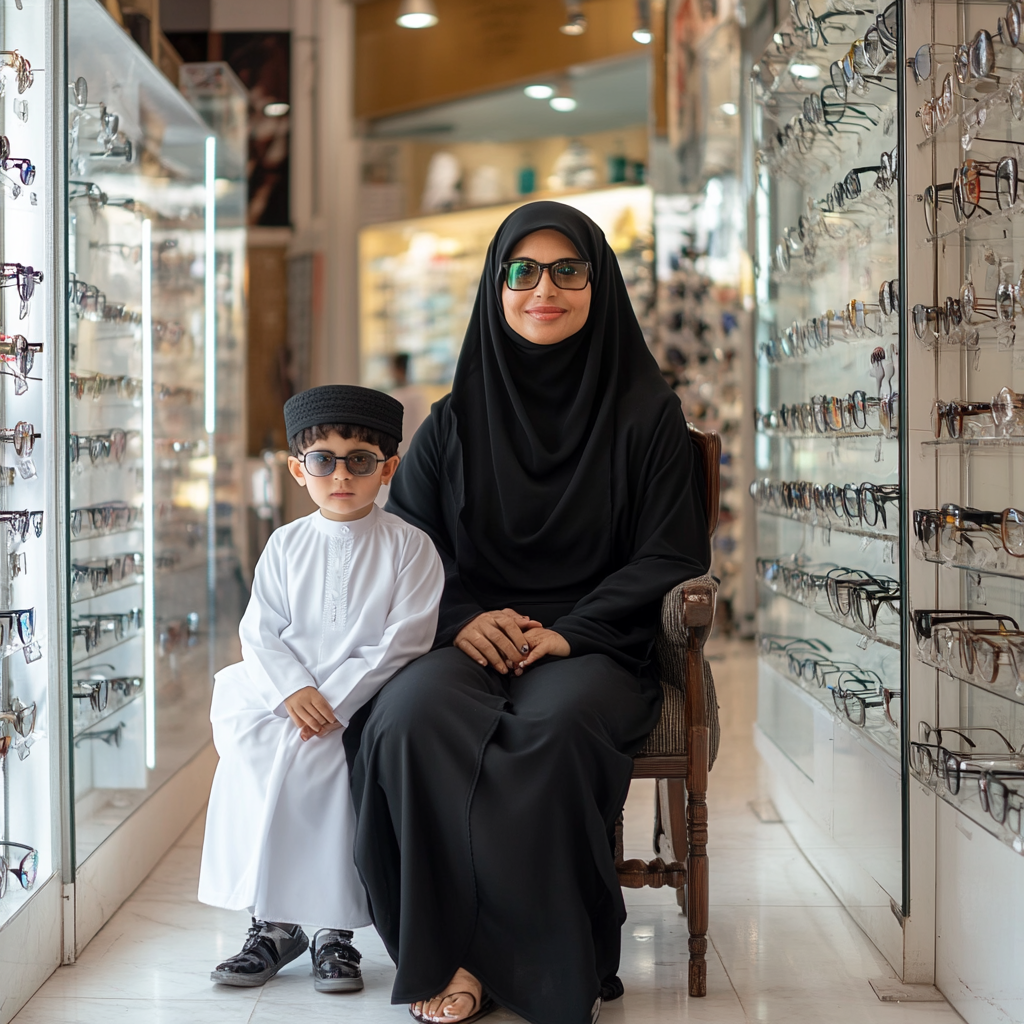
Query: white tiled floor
{"type": "Point", "coordinates": [782, 948]}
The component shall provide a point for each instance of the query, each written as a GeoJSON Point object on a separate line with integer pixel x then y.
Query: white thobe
{"type": "Point", "coordinates": [338, 606]}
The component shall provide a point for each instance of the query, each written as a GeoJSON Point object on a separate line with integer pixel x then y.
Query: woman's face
{"type": "Point", "coordinates": [545, 314]}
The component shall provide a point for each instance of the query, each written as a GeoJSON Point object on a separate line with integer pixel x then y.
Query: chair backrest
{"type": "Point", "coordinates": [709, 445]}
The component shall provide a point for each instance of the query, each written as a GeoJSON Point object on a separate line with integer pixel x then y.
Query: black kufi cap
{"type": "Point", "coordinates": [343, 403]}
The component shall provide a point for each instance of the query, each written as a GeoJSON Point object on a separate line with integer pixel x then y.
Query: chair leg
{"type": "Point", "coordinates": [697, 873]}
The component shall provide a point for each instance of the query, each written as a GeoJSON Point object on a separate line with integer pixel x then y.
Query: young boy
{"type": "Point", "coordinates": [341, 600]}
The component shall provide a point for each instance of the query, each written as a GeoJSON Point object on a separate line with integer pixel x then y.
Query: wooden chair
{"type": "Point", "coordinates": [684, 743]}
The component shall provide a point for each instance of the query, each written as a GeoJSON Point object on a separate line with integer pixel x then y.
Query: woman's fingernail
{"type": "Point", "coordinates": [525, 649]}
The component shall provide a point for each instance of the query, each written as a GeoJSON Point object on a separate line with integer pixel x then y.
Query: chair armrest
{"type": "Point", "coordinates": [687, 614]}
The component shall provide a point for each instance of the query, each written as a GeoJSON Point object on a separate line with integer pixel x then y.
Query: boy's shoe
{"type": "Point", "coordinates": [268, 947]}
{"type": "Point", "coordinates": [335, 962]}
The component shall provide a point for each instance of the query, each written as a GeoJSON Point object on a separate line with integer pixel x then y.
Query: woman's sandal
{"type": "Point", "coordinates": [483, 1007]}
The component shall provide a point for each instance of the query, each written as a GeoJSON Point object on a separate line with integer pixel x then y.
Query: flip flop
{"type": "Point", "coordinates": [485, 1006]}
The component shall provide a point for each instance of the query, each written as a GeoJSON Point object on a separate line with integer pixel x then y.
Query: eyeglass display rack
{"type": "Point", "coordinates": [155, 351]}
{"type": "Point", "coordinates": [826, 209]}
{"type": "Point", "coordinates": [703, 341]}
{"type": "Point", "coordinates": [30, 659]}
{"type": "Point", "coordinates": [121, 455]}
{"type": "Point", "coordinates": [963, 285]}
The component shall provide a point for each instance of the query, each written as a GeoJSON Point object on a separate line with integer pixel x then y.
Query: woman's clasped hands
{"type": "Point", "coordinates": [508, 641]}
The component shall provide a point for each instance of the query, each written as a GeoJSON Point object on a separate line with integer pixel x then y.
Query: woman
{"type": "Point", "coordinates": [557, 482]}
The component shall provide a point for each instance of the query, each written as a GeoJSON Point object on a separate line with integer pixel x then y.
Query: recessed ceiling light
{"type": "Point", "coordinates": [539, 92]}
{"type": "Point", "coordinates": [276, 109]}
{"type": "Point", "coordinates": [805, 70]}
{"type": "Point", "coordinates": [417, 14]}
{"type": "Point", "coordinates": [642, 35]}
{"type": "Point", "coordinates": [563, 104]}
{"type": "Point", "coordinates": [729, 108]}
{"type": "Point", "coordinates": [575, 25]}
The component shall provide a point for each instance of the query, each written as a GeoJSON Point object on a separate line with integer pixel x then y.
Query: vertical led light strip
{"type": "Point", "coordinates": [211, 286]}
{"type": "Point", "coordinates": [148, 497]}
{"type": "Point", "coordinates": [210, 351]}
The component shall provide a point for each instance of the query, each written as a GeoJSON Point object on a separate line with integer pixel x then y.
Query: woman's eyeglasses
{"type": "Point", "coordinates": [358, 463]}
{"type": "Point", "coordinates": [522, 275]}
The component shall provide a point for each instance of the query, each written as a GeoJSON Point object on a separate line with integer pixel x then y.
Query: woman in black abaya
{"type": "Point", "coordinates": [557, 482]}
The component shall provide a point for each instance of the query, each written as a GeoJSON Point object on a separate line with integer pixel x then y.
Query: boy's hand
{"type": "Point", "coordinates": [542, 643]}
{"type": "Point", "coordinates": [311, 713]}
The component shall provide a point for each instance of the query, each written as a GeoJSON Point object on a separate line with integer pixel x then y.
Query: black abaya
{"type": "Point", "coordinates": [556, 480]}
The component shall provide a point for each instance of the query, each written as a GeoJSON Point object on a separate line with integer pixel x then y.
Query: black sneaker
{"type": "Point", "coordinates": [335, 962]}
{"type": "Point", "coordinates": [268, 947]}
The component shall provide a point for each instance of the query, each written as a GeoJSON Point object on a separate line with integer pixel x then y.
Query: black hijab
{"type": "Point", "coordinates": [542, 423]}
{"type": "Point", "coordinates": [558, 479]}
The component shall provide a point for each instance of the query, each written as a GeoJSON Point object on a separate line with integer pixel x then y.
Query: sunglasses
{"type": "Point", "coordinates": [24, 872]}
{"type": "Point", "coordinates": [358, 463]}
{"type": "Point", "coordinates": [99, 446]}
{"type": "Point", "coordinates": [522, 275]}
{"type": "Point", "coordinates": [18, 524]}
{"type": "Point", "coordinates": [21, 67]}
{"type": "Point", "coordinates": [21, 717]}
{"type": "Point", "coordinates": [111, 517]}
{"type": "Point", "coordinates": [24, 278]}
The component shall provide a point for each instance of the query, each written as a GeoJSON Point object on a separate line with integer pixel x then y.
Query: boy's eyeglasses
{"type": "Point", "coordinates": [522, 275]}
{"type": "Point", "coordinates": [358, 463]}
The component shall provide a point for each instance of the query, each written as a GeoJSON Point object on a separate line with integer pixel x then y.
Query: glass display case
{"type": "Point", "coordinates": [32, 534]}
{"type": "Point", "coordinates": [122, 350]}
{"type": "Point", "coordinates": [419, 277]}
{"type": "Point", "coordinates": [153, 420]}
{"type": "Point", "coordinates": [965, 243]}
{"type": "Point", "coordinates": [827, 207]}
{"type": "Point", "coordinates": [704, 330]}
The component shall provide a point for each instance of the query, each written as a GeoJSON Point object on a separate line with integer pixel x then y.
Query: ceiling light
{"type": "Point", "coordinates": [276, 109]}
{"type": "Point", "coordinates": [730, 109]}
{"type": "Point", "coordinates": [575, 19]}
{"type": "Point", "coordinates": [642, 33]}
{"type": "Point", "coordinates": [563, 104]}
{"type": "Point", "coordinates": [417, 14]}
{"type": "Point", "coordinates": [539, 92]}
{"type": "Point", "coordinates": [805, 70]}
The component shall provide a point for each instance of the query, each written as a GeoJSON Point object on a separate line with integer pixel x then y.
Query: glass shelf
{"type": "Point", "coordinates": [859, 630]}
{"type": "Point", "coordinates": [968, 803]}
{"type": "Point", "coordinates": [829, 527]}
{"type": "Point", "coordinates": [983, 570]}
{"type": "Point", "coordinates": [1001, 688]}
{"type": "Point", "coordinates": [876, 728]}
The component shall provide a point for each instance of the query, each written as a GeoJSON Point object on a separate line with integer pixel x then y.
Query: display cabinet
{"type": "Point", "coordinates": [704, 330]}
{"type": "Point", "coordinates": [121, 357]}
{"type": "Point", "coordinates": [827, 209]}
{"type": "Point", "coordinates": [32, 533]}
{"type": "Point", "coordinates": [140, 456]}
{"type": "Point", "coordinates": [964, 80]}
